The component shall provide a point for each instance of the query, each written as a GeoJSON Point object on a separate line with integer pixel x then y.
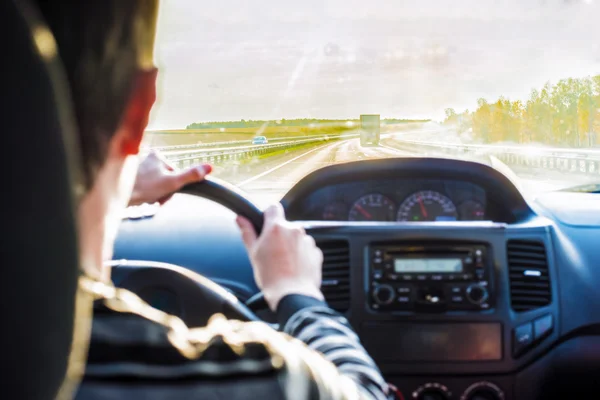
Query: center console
{"type": "Point", "coordinates": [433, 309]}
{"type": "Point", "coordinates": [448, 312]}
{"type": "Point", "coordinates": [458, 388]}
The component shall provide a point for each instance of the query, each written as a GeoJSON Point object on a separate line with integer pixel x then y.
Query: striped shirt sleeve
{"type": "Point", "coordinates": [329, 333]}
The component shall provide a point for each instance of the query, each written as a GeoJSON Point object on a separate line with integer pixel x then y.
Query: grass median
{"type": "Point", "coordinates": [238, 170]}
{"type": "Point", "coordinates": [277, 152]}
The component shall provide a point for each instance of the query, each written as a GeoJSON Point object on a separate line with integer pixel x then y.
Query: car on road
{"type": "Point", "coordinates": [260, 140]}
{"type": "Point", "coordinates": [370, 130]}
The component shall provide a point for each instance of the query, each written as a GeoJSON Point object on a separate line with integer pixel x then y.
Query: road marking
{"type": "Point", "coordinates": [397, 151]}
{"type": "Point", "coordinates": [346, 151]}
{"type": "Point", "coordinates": [249, 180]}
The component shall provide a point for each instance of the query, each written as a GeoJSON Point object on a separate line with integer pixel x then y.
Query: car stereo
{"type": "Point", "coordinates": [430, 277]}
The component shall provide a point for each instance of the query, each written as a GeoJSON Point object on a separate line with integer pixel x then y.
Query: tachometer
{"type": "Point", "coordinates": [471, 210]}
{"type": "Point", "coordinates": [335, 212]}
{"type": "Point", "coordinates": [372, 207]}
{"type": "Point", "coordinates": [427, 205]}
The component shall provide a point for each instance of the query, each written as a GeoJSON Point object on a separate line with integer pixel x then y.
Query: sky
{"type": "Point", "coordinates": [272, 59]}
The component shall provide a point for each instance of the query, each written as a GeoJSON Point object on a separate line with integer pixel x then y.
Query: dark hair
{"type": "Point", "coordinates": [102, 44]}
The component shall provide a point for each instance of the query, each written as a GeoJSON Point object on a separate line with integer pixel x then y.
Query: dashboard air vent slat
{"type": "Point", "coordinates": [529, 277]}
{"type": "Point", "coordinates": [336, 273]}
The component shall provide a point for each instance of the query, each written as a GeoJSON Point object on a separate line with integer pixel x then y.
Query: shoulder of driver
{"type": "Point", "coordinates": [134, 357]}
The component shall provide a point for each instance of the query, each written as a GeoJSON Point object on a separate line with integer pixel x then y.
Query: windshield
{"type": "Point", "coordinates": [514, 84]}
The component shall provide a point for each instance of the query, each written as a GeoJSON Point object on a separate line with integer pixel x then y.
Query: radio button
{"type": "Point", "coordinates": [436, 277]}
{"type": "Point", "coordinates": [479, 258]}
{"type": "Point", "coordinates": [458, 299]}
{"type": "Point", "coordinates": [393, 277]}
{"type": "Point", "coordinates": [522, 338]}
{"type": "Point", "coordinates": [433, 299]}
{"type": "Point", "coordinates": [377, 260]}
{"type": "Point", "coordinates": [377, 253]}
{"type": "Point", "coordinates": [407, 277]}
{"type": "Point", "coordinates": [469, 260]}
{"type": "Point", "coordinates": [377, 274]}
{"type": "Point", "coordinates": [403, 299]}
{"type": "Point", "coordinates": [421, 277]}
{"type": "Point", "coordinates": [403, 289]}
{"type": "Point", "coordinates": [456, 289]}
{"type": "Point", "coordinates": [383, 295]}
{"type": "Point", "coordinates": [542, 326]}
{"type": "Point", "coordinates": [477, 294]}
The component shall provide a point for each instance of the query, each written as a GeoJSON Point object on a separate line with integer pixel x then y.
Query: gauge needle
{"type": "Point", "coordinates": [364, 212]}
{"type": "Point", "coordinates": [423, 209]}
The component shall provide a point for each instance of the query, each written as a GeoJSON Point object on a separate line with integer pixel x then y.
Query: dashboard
{"type": "Point", "coordinates": [501, 303]}
{"type": "Point", "coordinates": [397, 200]}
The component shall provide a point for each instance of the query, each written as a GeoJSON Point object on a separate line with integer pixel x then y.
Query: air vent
{"type": "Point", "coordinates": [529, 278]}
{"type": "Point", "coordinates": [336, 273]}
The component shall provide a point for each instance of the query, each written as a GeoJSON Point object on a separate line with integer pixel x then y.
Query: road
{"type": "Point", "coordinates": [268, 179]}
{"type": "Point", "coordinates": [529, 182]}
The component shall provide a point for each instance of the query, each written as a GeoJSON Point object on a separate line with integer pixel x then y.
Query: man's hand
{"type": "Point", "coordinates": [156, 180]}
{"type": "Point", "coordinates": [285, 259]}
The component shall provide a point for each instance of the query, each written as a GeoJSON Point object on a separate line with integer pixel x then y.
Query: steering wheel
{"type": "Point", "coordinates": [228, 196]}
{"type": "Point", "coordinates": [138, 275]}
{"type": "Point", "coordinates": [234, 199]}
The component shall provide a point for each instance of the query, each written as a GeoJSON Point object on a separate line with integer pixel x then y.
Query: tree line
{"type": "Point", "coordinates": [287, 122]}
{"type": "Point", "coordinates": [563, 114]}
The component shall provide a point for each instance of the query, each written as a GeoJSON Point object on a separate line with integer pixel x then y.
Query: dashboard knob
{"type": "Point", "coordinates": [383, 294]}
{"type": "Point", "coordinates": [477, 294]}
{"type": "Point", "coordinates": [432, 395]}
{"type": "Point", "coordinates": [483, 391]}
{"type": "Point", "coordinates": [484, 395]}
{"type": "Point", "coordinates": [432, 391]}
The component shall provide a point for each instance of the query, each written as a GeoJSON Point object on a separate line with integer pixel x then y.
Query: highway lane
{"type": "Point", "coordinates": [268, 179]}
{"type": "Point", "coordinates": [530, 182]}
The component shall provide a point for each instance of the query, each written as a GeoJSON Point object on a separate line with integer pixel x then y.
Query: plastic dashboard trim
{"type": "Point", "coordinates": [360, 235]}
{"type": "Point", "coordinates": [501, 192]}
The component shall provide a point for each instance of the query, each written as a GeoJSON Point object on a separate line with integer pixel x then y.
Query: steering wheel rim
{"type": "Point", "coordinates": [234, 199]}
{"type": "Point", "coordinates": [257, 303]}
{"type": "Point", "coordinates": [143, 277]}
{"type": "Point", "coordinates": [228, 196]}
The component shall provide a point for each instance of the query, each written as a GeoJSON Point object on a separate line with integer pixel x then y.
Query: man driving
{"type": "Point", "coordinates": [107, 49]}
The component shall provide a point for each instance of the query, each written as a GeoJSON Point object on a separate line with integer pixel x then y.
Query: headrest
{"type": "Point", "coordinates": [39, 244]}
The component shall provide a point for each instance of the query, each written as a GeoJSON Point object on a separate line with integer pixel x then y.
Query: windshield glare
{"type": "Point", "coordinates": [512, 83]}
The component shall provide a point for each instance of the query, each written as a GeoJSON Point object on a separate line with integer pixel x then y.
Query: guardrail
{"type": "Point", "coordinates": [230, 143]}
{"type": "Point", "coordinates": [185, 158]}
{"type": "Point", "coordinates": [199, 145]}
{"type": "Point", "coordinates": [574, 161]}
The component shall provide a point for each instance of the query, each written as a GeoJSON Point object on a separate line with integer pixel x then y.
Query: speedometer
{"type": "Point", "coordinates": [427, 205]}
{"type": "Point", "coordinates": [372, 207]}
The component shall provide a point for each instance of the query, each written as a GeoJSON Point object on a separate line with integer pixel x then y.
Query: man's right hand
{"type": "Point", "coordinates": [157, 180]}
{"type": "Point", "coordinates": [285, 259]}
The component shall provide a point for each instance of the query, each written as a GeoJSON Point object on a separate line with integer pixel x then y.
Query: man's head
{"type": "Point", "coordinates": [107, 50]}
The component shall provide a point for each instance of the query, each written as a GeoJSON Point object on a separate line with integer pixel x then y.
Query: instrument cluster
{"type": "Point", "coordinates": [398, 200]}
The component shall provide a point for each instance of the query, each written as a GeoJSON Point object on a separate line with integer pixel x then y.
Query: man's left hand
{"type": "Point", "coordinates": [157, 180]}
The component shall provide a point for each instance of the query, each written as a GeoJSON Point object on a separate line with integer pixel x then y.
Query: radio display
{"type": "Point", "coordinates": [427, 265]}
